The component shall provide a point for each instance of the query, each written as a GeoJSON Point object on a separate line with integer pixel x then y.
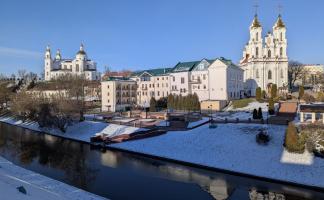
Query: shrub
{"type": "Point", "coordinates": [260, 113]}
{"type": "Point", "coordinates": [264, 94]}
{"type": "Point", "coordinates": [271, 107]}
{"type": "Point", "coordinates": [274, 91]}
{"type": "Point", "coordinates": [255, 114]}
{"type": "Point", "coordinates": [309, 98]}
{"type": "Point", "coordinates": [293, 142]}
{"type": "Point", "coordinates": [258, 94]}
{"type": "Point", "coordinates": [301, 91]}
{"type": "Point", "coordinates": [262, 138]}
{"type": "Point", "coordinates": [152, 105]}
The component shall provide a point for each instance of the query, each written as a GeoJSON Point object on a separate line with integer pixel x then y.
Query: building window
{"type": "Point", "coordinates": [257, 74]}
{"type": "Point", "coordinates": [257, 36]}
{"type": "Point", "coordinates": [77, 67]}
{"type": "Point", "coordinates": [269, 53]}
{"type": "Point", "coordinates": [269, 74]}
{"type": "Point", "coordinates": [158, 93]}
{"type": "Point", "coordinates": [257, 52]}
{"type": "Point", "coordinates": [173, 79]}
{"type": "Point", "coordinates": [281, 36]}
{"type": "Point", "coordinates": [281, 51]}
{"type": "Point", "coordinates": [204, 86]}
{"type": "Point", "coordinates": [281, 73]}
{"type": "Point", "coordinates": [182, 80]}
{"type": "Point", "coordinates": [204, 77]}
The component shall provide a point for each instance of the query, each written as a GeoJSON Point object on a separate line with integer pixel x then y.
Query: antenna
{"type": "Point", "coordinates": [256, 6]}
{"type": "Point", "coordinates": [279, 7]}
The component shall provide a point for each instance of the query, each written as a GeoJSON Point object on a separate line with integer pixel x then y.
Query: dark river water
{"type": "Point", "coordinates": [118, 175]}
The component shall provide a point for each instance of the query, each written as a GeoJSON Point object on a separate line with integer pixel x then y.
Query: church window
{"type": "Point", "coordinates": [77, 67]}
{"type": "Point", "coordinates": [269, 74]}
{"type": "Point", "coordinates": [281, 74]}
{"type": "Point", "coordinates": [257, 52]}
{"type": "Point", "coordinates": [257, 36]}
{"type": "Point", "coordinates": [281, 36]}
{"type": "Point", "coordinates": [257, 74]}
{"type": "Point", "coordinates": [269, 53]}
{"type": "Point", "coordinates": [281, 51]}
{"type": "Point", "coordinates": [204, 76]}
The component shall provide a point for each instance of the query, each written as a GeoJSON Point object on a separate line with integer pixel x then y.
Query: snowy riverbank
{"type": "Point", "coordinates": [233, 147]}
{"type": "Point", "coordinates": [80, 131]}
{"type": "Point", "coordinates": [38, 187]}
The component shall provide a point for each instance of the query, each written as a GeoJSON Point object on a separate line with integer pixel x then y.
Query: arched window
{"type": "Point", "coordinates": [257, 52]}
{"type": "Point", "coordinates": [257, 36]}
{"type": "Point", "coordinates": [257, 74]}
{"type": "Point", "coordinates": [269, 53]}
{"type": "Point", "coordinates": [269, 74]}
{"type": "Point", "coordinates": [281, 51]}
{"type": "Point", "coordinates": [281, 36]}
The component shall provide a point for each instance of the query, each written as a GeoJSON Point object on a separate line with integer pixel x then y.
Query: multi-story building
{"type": "Point", "coordinates": [118, 94]}
{"type": "Point", "coordinates": [217, 79]}
{"type": "Point", "coordinates": [80, 65]}
{"type": "Point", "coordinates": [265, 62]}
{"type": "Point", "coordinates": [151, 83]}
{"type": "Point", "coordinates": [310, 75]}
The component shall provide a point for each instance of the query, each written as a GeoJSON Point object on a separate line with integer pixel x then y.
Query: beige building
{"type": "Point", "coordinates": [152, 83]}
{"type": "Point", "coordinates": [118, 94]}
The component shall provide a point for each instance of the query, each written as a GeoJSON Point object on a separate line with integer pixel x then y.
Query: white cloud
{"type": "Point", "coordinates": [21, 53]}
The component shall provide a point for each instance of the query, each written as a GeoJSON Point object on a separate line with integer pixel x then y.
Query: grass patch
{"type": "Point", "coordinates": [241, 103]}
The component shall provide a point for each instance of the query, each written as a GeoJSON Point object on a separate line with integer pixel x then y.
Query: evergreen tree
{"type": "Point", "coordinates": [263, 94]}
{"type": "Point", "coordinates": [258, 94]}
{"type": "Point", "coordinates": [301, 91]}
{"type": "Point", "coordinates": [274, 91]}
{"type": "Point", "coordinates": [176, 102]}
{"type": "Point", "coordinates": [152, 105]}
{"type": "Point", "coordinates": [196, 103]}
{"type": "Point", "coordinates": [271, 107]}
{"type": "Point", "coordinates": [255, 114]}
{"type": "Point", "coordinates": [260, 113]}
{"type": "Point", "coordinates": [170, 101]}
{"type": "Point", "coordinates": [292, 141]}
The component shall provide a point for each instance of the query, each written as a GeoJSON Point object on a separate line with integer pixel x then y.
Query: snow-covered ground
{"type": "Point", "coordinates": [233, 147]}
{"type": "Point", "coordinates": [80, 131]}
{"type": "Point", "coordinates": [38, 187]}
{"type": "Point", "coordinates": [113, 130]}
{"type": "Point", "coordinates": [197, 123]}
{"type": "Point", "coordinates": [123, 120]}
{"type": "Point", "coordinates": [163, 123]}
{"type": "Point", "coordinates": [253, 105]}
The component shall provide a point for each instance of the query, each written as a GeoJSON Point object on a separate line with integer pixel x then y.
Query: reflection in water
{"type": "Point", "coordinates": [118, 175]}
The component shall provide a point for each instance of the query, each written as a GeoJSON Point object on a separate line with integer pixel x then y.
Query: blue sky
{"type": "Point", "coordinates": [138, 34]}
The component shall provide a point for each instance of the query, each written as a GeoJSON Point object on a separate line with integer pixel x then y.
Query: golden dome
{"type": "Point", "coordinates": [280, 23]}
{"type": "Point", "coordinates": [256, 23]}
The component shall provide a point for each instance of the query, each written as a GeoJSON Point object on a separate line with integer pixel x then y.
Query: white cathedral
{"type": "Point", "coordinates": [80, 65]}
{"type": "Point", "coordinates": [265, 62]}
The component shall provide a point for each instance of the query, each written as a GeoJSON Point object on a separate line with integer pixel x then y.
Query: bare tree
{"type": "Point", "coordinates": [22, 74]}
{"type": "Point", "coordinates": [296, 71]}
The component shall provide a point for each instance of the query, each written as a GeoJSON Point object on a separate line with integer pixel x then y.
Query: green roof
{"type": "Point", "coordinates": [185, 66]}
{"type": "Point", "coordinates": [153, 72]}
{"type": "Point", "coordinates": [116, 78]}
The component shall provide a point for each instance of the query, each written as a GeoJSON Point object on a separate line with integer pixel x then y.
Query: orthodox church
{"type": "Point", "coordinates": [265, 61]}
{"type": "Point", "coordinates": [80, 65]}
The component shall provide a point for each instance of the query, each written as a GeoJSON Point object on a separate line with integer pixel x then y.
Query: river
{"type": "Point", "coordinates": [118, 175]}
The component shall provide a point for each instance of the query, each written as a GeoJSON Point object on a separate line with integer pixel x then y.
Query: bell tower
{"type": "Point", "coordinates": [48, 63]}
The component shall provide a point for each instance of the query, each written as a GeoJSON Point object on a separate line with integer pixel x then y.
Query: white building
{"type": "Point", "coordinates": [118, 94]}
{"type": "Point", "coordinates": [80, 65]}
{"type": "Point", "coordinates": [152, 83]}
{"type": "Point", "coordinates": [265, 62]}
{"type": "Point", "coordinates": [217, 79]}
{"type": "Point", "coordinates": [211, 80]}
